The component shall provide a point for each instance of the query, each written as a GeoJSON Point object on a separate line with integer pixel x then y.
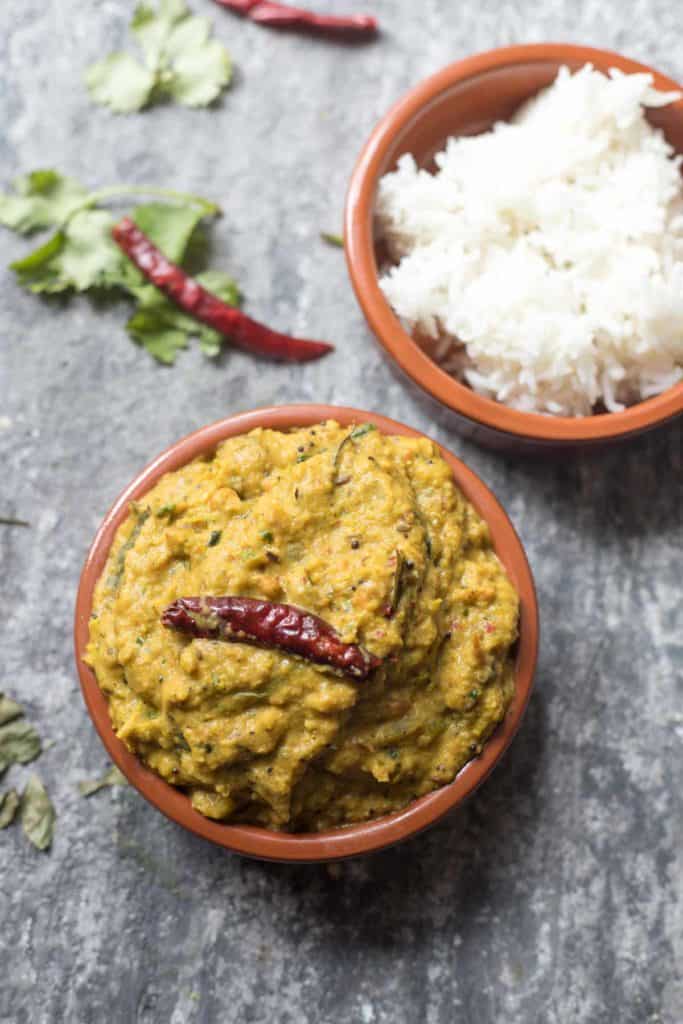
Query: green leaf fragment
{"type": "Point", "coordinates": [82, 255]}
{"type": "Point", "coordinates": [200, 75]}
{"type": "Point", "coordinates": [361, 431]}
{"type": "Point", "coordinates": [9, 709]}
{"type": "Point", "coordinates": [90, 257]}
{"type": "Point", "coordinates": [37, 814]}
{"type": "Point", "coordinates": [39, 271]}
{"type": "Point", "coordinates": [113, 777]}
{"type": "Point", "coordinates": [19, 743]}
{"type": "Point", "coordinates": [161, 341]}
{"type": "Point", "coordinates": [121, 83]}
{"type": "Point", "coordinates": [181, 62]}
{"type": "Point", "coordinates": [170, 228]}
{"type": "Point", "coordinates": [163, 329]}
{"type": "Point", "coordinates": [222, 285]}
{"type": "Point", "coordinates": [42, 199]}
{"type": "Point", "coordinates": [9, 804]}
{"type": "Point", "coordinates": [152, 27]}
{"type": "Point", "coordinates": [332, 239]}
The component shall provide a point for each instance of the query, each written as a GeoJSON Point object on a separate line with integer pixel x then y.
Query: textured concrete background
{"type": "Point", "coordinates": [555, 894]}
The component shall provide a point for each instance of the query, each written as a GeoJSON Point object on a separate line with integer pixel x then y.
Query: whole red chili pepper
{"type": "Point", "coordinates": [266, 624]}
{"type": "Point", "coordinates": [203, 305]}
{"type": "Point", "coordinates": [267, 12]}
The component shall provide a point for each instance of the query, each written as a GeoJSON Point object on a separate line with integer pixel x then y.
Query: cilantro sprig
{"type": "Point", "coordinates": [81, 255]}
{"type": "Point", "coordinates": [180, 62]}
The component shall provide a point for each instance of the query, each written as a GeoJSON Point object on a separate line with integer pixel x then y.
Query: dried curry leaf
{"type": "Point", "coordinates": [9, 709]}
{"type": "Point", "coordinates": [113, 777]}
{"type": "Point", "coordinates": [37, 814]}
{"type": "Point", "coordinates": [9, 804]}
{"type": "Point", "coordinates": [19, 743]}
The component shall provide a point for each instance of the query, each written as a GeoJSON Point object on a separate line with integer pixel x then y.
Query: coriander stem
{"type": "Point", "coordinates": [150, 190]}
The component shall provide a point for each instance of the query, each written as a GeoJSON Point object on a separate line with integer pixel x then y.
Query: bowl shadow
{"type": "Point", "coordinates": [380, 899]}
{"type": "Point", "coordinates": [613, 494]}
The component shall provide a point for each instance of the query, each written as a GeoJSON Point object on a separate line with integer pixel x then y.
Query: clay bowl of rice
{"type": "Point", "coordinates": [514, 235]}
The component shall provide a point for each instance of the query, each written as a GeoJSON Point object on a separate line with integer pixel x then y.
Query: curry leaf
{"type": "Point", "coordinates": [9, 709]}
{"type": "Point", "coordinates": [19, 742]}
{"type": "Point", "coordinates": [9, 804]}
{"type": "Point", "coordinates": [113, 777]}
{"type": "Point", "coordinates": [37, 814]}
{"type": "Point", "coordinates": [180, 62]}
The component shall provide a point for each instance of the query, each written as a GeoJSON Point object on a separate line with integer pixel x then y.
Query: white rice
{"type": "Point", "coordinates": [543, 262]}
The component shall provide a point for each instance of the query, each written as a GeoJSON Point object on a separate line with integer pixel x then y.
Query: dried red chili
{"type": "Point", "coordinates": [209, 309]}
{"type": "Point", "coordinates": [266, 12]}
{"type": "Point", "coordinates": [266, 624]}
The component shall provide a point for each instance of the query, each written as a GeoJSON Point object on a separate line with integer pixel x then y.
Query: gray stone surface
{"type": "Point", "coordinates": [555, 894]}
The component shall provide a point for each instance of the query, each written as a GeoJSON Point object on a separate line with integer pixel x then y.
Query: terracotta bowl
{"type": "Point", "coordinates": [355, 839]}
{"type": "Point", "coordinates": [466, 98]}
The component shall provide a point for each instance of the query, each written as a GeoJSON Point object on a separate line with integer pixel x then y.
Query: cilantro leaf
{"type": "Point", "coordinates": [170, 228]}
{"type": "Point", "coordinates": [163, 329]}
{"type": "Point", "coordinates": [80, 256]}
{"type": "Point", "coordinates": [181, 62]}
{"type": "Point", "coordinates": [120, 82]}
{"type": "Point", "coordinates": [200, 73]}
{"type": "Point", "coordinates": [83, 254]}
{"type": "Point", "coordinates": [42, 199]}
{"type": "Point", "coordinates": [152, 28]}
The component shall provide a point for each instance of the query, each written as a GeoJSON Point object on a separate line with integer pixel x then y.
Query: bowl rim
{"type": "Point", "coordinates": [362, 267]}
{"type": "Point", "coordinates": [352, 840]}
